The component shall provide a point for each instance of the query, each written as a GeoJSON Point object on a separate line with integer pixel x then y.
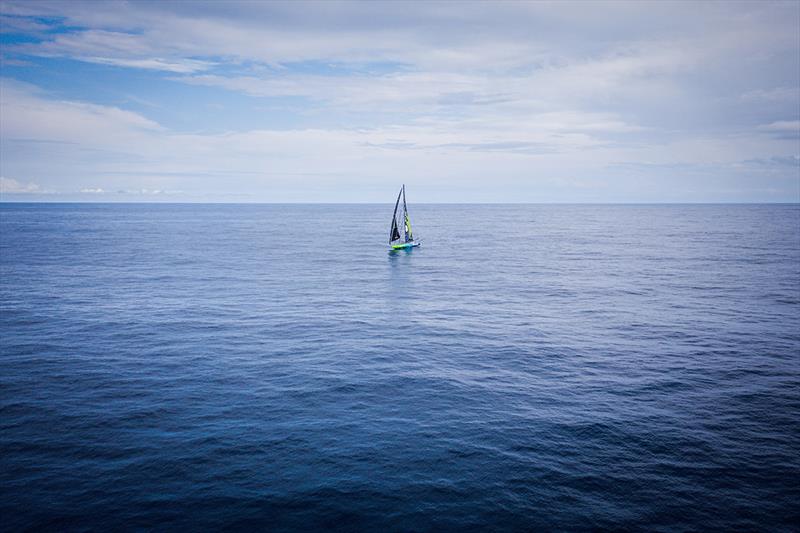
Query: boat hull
{"type": "Point", "coordinates": [404, 245]}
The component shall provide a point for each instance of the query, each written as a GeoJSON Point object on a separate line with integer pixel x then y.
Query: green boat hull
{"type": "Point", "coordinates": [404, 245]}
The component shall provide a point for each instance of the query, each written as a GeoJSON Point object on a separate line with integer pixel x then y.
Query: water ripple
{"type": "Point", "coordinates": [555, 367]}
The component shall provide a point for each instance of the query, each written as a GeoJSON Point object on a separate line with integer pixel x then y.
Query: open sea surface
{"type": "Point", "coordinates": [529, 367]}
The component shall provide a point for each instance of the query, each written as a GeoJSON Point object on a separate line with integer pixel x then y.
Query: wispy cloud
{"type": "Point", "coordinates": [11, 24]}
{"type": "Point", "coordinates": [545, 95]}
{"type": "Point", "coordinates": [10, 186]}
{"type": "Point", "coordinates": [184, 66]}
{"type": "Point", "coordinates": [29, 114]}
{"type": "Point", "coordinates": [781, 125]}
{"type": "Point", "coordinates": [782, 129]}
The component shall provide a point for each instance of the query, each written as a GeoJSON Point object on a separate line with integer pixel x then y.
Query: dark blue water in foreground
{"type": "Point", "coordinates": [528, 367]}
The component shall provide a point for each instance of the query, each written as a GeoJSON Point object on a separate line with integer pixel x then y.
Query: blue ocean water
{"type": "Point", "coordinates": [275, 367]}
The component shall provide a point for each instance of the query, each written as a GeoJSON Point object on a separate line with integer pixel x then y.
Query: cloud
{"type": "Point", "coordinates": [9, 186]}
{"type": "Point", "coordinates": [538, 94]}
{"type": "Point", "coordinates": [184, 66]}
{"type": "Point", "coordinates": [617, 58]}
{"type": "Point", "coordinates": [786, 161]}
{"type": "Point", "coordinates": [774, 94]}
{"type": "Point", "coordinates": [11, 24]}
{"type": "Point", "coordinates": [782, 129]}
{"type": "Point", "coordinates": [123, 151]}
{"type": "Point", "coordinates": [781, 126]}
{"type": "Point", "coordinates": [27, 113]}
{"type": "Point", "coordinates": [433, 36]}
{"type": "Point", "coordinates": [127, 153]}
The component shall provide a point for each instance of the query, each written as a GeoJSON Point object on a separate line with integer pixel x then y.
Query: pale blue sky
{"type": "Point", "coordinates": [344, 101]}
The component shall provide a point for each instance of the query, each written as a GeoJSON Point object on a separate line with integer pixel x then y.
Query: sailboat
{"type": "Point", "coordinates": [401, 239]}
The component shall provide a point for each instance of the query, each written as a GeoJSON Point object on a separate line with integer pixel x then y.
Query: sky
{"type": "Point", "coordinates": [201, 101]}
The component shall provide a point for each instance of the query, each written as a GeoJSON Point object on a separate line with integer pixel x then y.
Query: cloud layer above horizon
{"type": "Point", "coordinates": [343, 101]}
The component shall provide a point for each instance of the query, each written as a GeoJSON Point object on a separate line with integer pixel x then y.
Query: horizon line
{"type": "Point", "coordinates": [11, 202]}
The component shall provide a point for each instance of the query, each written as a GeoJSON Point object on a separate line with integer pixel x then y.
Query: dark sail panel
{"type": "Point", "coordinates": [394, 233]}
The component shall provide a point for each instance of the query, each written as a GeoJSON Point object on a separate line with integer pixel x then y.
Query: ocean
{"type": "Point", "coordinates": [529, 367]}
